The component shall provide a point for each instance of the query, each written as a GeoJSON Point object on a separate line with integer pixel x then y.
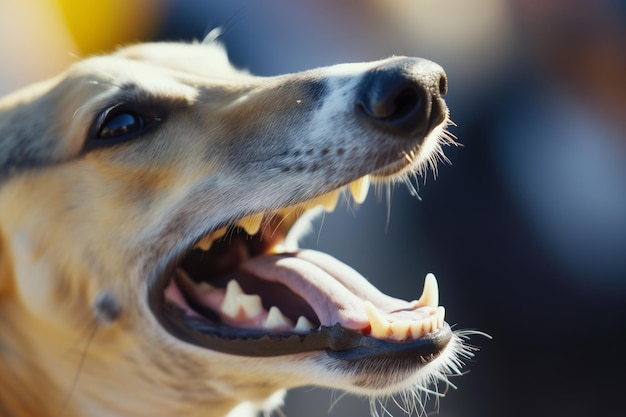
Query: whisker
{"type": "Point", "coordinates": [388, 195]}
{"type": "Point", "coordinates": [414, 399]}
{"type": "Point", "coordinates": [92, 330]}
{"type": "Point", "coordinates": [335, 401]}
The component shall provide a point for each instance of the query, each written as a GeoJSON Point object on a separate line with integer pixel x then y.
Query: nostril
{"type": "Point", "coordinates": [406, 102]}
{"type": "Point", "coordinates": [443, 85]}
{"type": "Point", "coordinates": [395, 102]}
{"type": "Point", "coordinates": [390, 98]}
{"type": "Point", "coordinates": [391, 105]}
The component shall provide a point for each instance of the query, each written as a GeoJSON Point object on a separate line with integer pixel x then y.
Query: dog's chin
{"type": "Point", "coordinates": [378, 378]}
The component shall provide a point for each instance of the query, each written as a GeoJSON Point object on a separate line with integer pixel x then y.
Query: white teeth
{"type": "Point", "coordinates": [219, 233]}
{"type": "Point", "coordinates": [428, 325]}
{"type": "Point", "coordinates": [231, 305]}
{"type": "Point", "coordinates": [251, 224]}
{"type": "Point", "coordinates": [417, 329]}
{"type": "Point", "coordinates": [205, 244]}
{"type": "Point", "coordinates": [430, 294]}
{"type": "Point", "coordinates": [328, 201]}
{"type": "Point", "coordinates": [360, 188]}
{"type": "Point", "coordinates": [235, 301]}
{"type": "Point", "coordinates": [441, 315]}
{"type": "Point", "coordinates": [379, 325]}
{"type": "Point", "coordinates": [251, 305]}
{"type": "Point", "coordinates": [303, 325]}
{"type": "Point", "coordinates": [276, 319]}
{"type": "Point", "coordinates": [400, 329]}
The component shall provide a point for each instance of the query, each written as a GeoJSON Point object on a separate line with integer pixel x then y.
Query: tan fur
{"type": "Point", "coordinates": [78, 227]}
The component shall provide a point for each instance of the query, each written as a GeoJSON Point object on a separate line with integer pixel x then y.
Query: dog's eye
{"type": "Point", "coordinates": [121, 123]}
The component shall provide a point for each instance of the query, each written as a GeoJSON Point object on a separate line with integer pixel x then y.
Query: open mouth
{"type": "Point", "coordinates": [247, 289]}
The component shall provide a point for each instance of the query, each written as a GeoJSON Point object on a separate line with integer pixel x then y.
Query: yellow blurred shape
{"type": "Point", "coordinates": [101, 25]}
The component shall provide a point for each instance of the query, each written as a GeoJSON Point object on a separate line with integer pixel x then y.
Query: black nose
{"type": "Point", "coordinates": [403, 97]}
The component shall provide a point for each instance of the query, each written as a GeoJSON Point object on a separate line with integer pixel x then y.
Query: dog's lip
{"type": "Point", "coordinates": [430, 145]}
{"type": "Point", "coordinates": [337, 339]}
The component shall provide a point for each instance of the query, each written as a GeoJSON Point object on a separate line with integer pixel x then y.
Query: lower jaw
{"type": "Point", "coordinates": [336, 341]}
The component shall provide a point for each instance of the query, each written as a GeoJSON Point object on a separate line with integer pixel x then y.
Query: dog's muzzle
{"type": "Point", "coordinates": [239, 290]}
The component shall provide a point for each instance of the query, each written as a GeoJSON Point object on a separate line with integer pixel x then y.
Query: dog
{"type": "Point", "coordinates": [151, 201]}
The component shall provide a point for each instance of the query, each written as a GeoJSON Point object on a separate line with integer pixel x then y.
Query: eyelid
{"type": "Point", "coordinates": [152, 115]}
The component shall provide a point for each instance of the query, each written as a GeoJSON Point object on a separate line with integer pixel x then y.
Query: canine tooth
{"type": "Point", "coordinates": [303, 325]}
{"type": "Point", "coordinates": [205, 244]}
{"type": "Point", "coordinates": [430, 294]}
{"type": "Point", "coordinates": [360, 188]}
{"type": "Point", "coordinates": [379, 325]}
{"type": "Point", "coordinates": [251, 224]}
{"type": "Point", "coordinates": [276, 319]}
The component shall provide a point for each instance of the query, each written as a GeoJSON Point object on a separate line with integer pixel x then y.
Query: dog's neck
{"type": "Point", "coordinates": [45, 375]}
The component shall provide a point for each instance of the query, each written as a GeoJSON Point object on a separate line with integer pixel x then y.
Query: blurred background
{"type": "Point", "coordinates": [525, 230]}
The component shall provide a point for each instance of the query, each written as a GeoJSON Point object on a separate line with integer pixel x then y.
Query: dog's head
{"type": "Point", "coordinates": [150, 204]}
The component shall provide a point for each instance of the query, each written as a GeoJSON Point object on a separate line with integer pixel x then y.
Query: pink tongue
{"type": "Point", "coordinates": [334, 290]}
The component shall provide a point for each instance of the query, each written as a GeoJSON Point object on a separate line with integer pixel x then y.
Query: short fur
{"type": "Point", "coordinates": [80, 224]}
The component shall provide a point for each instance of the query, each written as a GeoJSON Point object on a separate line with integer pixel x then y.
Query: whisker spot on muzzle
{"type": "Point", "coordinates": [106, 308]}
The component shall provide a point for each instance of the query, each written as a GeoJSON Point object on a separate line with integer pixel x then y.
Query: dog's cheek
{"type": "Point", "coordinates": [36, 278]}
{"type": "Point", "coordinates": [44, 290]}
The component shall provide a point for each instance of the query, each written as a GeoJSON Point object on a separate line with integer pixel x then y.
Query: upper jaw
{"type": "Point", "coordinates": [414, 157]}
